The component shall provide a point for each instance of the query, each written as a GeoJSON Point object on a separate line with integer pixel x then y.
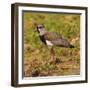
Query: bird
{"type": "Point", "coordinates": [52, 38]}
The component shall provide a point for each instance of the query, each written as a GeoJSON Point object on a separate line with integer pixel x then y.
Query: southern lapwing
{"type": "Point", "coordinates": [52, 38]}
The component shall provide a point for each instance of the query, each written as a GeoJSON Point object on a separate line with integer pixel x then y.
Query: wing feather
{"type": "Point", "coordinates": [52, 36]}
{"type": "Point", "coordinates": [57, 39]}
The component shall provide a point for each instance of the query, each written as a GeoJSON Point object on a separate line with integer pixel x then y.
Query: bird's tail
{"type": "Point", "coordinates": [71, 46]}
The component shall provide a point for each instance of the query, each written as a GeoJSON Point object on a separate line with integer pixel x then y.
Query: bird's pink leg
{"type": "Point", "coordinates": [53, 56]}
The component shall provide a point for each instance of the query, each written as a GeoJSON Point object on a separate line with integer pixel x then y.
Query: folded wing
{"type": "Point", "coordinates": [57, 40]}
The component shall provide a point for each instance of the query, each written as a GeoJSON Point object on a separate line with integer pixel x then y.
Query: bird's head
{"type": "Point", "coordinates": [40, 29]}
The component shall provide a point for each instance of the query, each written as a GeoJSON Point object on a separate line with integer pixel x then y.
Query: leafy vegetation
{"type": "Point", "coordinates": [37, 58]}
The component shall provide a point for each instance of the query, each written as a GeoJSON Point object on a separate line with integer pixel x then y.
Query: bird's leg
{"type": "Point", "coordinates": [53, 56]}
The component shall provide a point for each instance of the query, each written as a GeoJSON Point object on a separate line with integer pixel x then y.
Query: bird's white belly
{"type": "Point", "coordinates": [49, 43]}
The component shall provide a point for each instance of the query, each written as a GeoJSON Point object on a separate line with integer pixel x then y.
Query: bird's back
{"type": "Point", "coordinates": [56, 39]}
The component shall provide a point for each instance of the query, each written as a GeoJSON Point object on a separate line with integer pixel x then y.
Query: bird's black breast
{"type": "Point", "coordinates": [42, 38]}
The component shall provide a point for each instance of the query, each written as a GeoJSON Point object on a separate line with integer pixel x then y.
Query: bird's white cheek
{"type": "Point", "coordinates": [49, 43]}
{"type": "Point", "coordinates": [39, 30]}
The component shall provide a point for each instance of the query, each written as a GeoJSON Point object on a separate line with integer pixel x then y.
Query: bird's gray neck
{"type": "Point", "coordinates": [42, 32]}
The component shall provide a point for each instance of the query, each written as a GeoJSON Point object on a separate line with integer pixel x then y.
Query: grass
{"type": "Point", "coordinates": [37, 58]}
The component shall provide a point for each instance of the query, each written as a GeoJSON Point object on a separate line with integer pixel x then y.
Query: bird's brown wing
{"type": "Point", "coordinates": [52, 36]}
{"type": "Point", "coordinates": [56, 39]}
{"type": "Point", "coordinates": [61, 42]}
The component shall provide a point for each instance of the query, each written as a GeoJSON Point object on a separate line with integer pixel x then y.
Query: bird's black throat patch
{"type": "Point", "coordinates": [43, 39]}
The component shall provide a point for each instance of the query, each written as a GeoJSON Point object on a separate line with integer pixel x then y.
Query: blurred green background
{"type": "Point", "coordinates": [37, 55]}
